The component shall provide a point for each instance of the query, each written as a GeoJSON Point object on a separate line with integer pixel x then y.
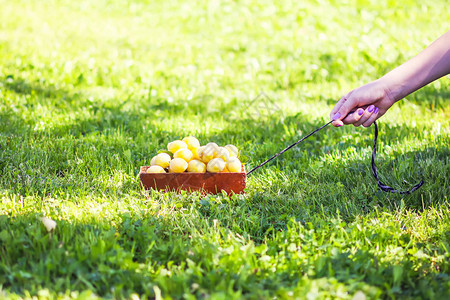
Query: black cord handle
{"type": "Point", "coordinates": [382, 186]}
{"type": "Point", "coordinates": [287, 148]}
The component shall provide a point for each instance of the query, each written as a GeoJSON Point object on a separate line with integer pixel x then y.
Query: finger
{"type": "Point", "coordinates": [353, 117]}
{"type": "Point", "coordinates": [367, 114]}
{"type": "Point", "coordinates": [347, 106]}
{"type": "Point", "coordinates": [336, 108]}
{"type": "Point", "coordinates": [338, 105]}
{"type": "Point", "coordinates": [375, 115]}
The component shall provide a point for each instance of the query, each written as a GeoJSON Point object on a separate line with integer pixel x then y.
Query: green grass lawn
{"type": "Point", "coordinates": [91, 90]}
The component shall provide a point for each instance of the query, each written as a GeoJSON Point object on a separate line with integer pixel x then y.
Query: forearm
{"type": "Point", "coordinates": [429, 65]}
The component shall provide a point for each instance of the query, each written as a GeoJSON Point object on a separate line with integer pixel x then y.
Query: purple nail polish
{"type": "Point", "coordinates": [376, 110]}
{"type": "Point", "coordinates": [370, 109]}
{"type": "Point", "coordinates": [336, 116]}
{"type": "Point", "coordinates": [360, 111]}
{"type": "Point", "coordinates": [338, 125]}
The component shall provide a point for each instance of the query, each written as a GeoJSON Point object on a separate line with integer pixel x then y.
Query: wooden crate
{"type": "Point", "coordinates": [206, 182]}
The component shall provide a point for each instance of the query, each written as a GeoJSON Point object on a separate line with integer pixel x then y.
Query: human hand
{"type": "Point", "coordinates": [362, 106]}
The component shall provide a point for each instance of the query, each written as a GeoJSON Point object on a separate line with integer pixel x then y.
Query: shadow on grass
{"type": "Point", "coordinates": [101, 116]}
{"type": "Point", "coordinates": [72, 157]}
{"type": "Point", "coordinates": [39, 89]}
{"type": "Point", "coordinates": [432, 97]}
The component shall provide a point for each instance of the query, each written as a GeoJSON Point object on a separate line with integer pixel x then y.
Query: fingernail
{"type": "Point", "coordinates": [338, 125]}
{"type": "Point", "coordinates": [370, 109]}
{"type": "Point", "coordinates": [336, 116]}
{"type": "Point", "coordinates": [360, 111]}
{"type": "Point", "coordinates": [376, 110]}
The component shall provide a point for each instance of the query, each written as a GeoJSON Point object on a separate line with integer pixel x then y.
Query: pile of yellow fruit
{"type": "Point", "coordinates": [188, 156]}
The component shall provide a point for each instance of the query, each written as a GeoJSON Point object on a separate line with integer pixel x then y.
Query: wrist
{"type": "Point", "coordinates": [392, 92]}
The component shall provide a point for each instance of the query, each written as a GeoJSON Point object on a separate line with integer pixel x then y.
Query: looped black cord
{"type": "Point", "coordinates": [381, 185]}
